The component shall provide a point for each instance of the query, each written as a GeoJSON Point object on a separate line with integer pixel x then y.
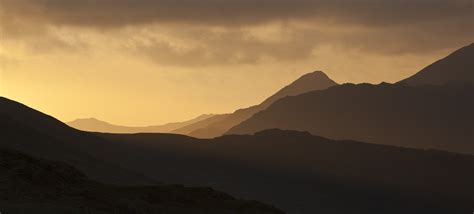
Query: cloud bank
{"type": "Point", "coordinates": [244, 31]}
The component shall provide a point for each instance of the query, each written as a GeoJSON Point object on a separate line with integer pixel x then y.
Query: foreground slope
{"type": "Point", "coordinates": [31, 185]}
{"type": "Point", "coordinates": [218, 125]}
{"type": "Point", "coordinates": [32, 132]}
{"type": "Point", "coordinates": [438, 117]}
{"type": "Point", "coordinates": [302, 173]}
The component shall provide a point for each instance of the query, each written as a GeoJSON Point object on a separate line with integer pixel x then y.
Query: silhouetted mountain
{"type": "Point", "coordinates": [302, 173]}
{"type": "Point", "coordinates": [296, 171]}
{"type": "Point", "coordinates": [309, 82]}
{"type": "Point", "coordinates": [420, 117]}
{"type": "Point", "coordinates": [31, 185]}
{"type": "Point", "coordinates": [95, 125]}
{"type": "Point", "coordinates": [216, 126]}
{"type": "Point", "coordinates": [32, 132]}
{"type": "Point", "coordinates": [458, 67]}
{"type": "Point", "coordinates": [438, 117]}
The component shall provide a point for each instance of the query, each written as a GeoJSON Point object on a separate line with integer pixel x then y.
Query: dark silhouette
{"type": "Point", "coordinates": [294, 171]}
{"type": "Point", "coordinates": [29, 131]}
{"type": "Point", "coordinates": [219, 124]}
{"type": "Point", "coordinates": [32, 185]}
{"type": "Point", "coordinates": [437, 117]}
{"type": "Point", "coordinates": [95, 125]}
{"type": "Point", "coordinates": [302, 173]}
{"type": "Point", "coordinates": [27, 181]}
{"type": "Point", "coordinates": [458, 67]}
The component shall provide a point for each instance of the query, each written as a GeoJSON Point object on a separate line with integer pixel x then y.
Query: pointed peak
{"type": "Point", "coordinates": [313, 77]}
{"type": "Point", "coordinates": [316, 80]}
{"type": "Point", "coordinates": [315, 74]}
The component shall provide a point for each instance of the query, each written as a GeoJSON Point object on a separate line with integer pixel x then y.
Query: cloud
{"type": "Point", "coordinates": [112, 13]}
{"type": "Point", "coordinates": [229, 32]}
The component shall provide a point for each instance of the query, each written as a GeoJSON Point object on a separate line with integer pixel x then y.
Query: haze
{"type": "Point", "coordinates": [142, 62]}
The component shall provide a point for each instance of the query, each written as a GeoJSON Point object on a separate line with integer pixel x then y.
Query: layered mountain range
{"type": "Point", "coordinates": [295, 171]}
{"type": "Point", "coordinates": [313, 147]}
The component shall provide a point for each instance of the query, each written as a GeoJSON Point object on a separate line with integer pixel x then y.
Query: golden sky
{"type": "Point", "coordinates": [143, 62]}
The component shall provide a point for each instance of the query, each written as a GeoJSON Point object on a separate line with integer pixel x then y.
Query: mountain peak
{"type": "Point", "coordinates": [316, 80]}
{"type": "Point", "coordinates": [315, 73]}
{"type": "Point", "coordinates": [312, 76]}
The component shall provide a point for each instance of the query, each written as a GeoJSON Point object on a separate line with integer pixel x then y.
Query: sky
{"type": "Point", "coordinates": [145, 62]}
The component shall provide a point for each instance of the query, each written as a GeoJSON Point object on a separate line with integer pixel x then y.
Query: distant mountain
{"type": "Point", "coordinates": [187, 130]}
{"type": "Point", "coordinates": [458, 67]}
{"type": "Point", "coordinates": [306, 174]}
{"type": "Point", "coordinates": [216, 126]}
{"type": "Point", "coordinates": [437, 117]}
{"type": "Point", "coordinates": [95, 125]}
{"type": "Point", "coordinates": [32, 185]}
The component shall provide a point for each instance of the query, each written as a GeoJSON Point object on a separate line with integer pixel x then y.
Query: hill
{"type": "Point", "coordinates": [302, 173]}
{"type": "Point", "coordinates": [32, 185]}
{"type": "Point", "coordinates": [26, 130]}
{"type": "Point", "coordinates": [295, 171]}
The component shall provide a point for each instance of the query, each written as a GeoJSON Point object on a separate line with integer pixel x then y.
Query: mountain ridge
{"type": "Point", "coordinates": [316, 80]}
{"type": "Point", "coordinates": [377, 114]}
{"type": "Point", "coordinates": [419, 112]}
{"type": "Point", "coordinates": [295, 171]}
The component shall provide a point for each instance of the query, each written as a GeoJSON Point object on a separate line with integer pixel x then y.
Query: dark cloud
{"type": "Point", "coordinates": [112, 13]}
{"type": "Point", "coordinates": [390, 27]}
{"type": "Point", "coordinates": [227, 46]}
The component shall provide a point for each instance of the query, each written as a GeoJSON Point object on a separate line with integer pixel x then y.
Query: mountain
{"type": "Point", "coordinates": [41, 165]}
{"type": "Point", "coordinates": [295, 171]}
{"type": "Point", "coordinates": [29, 131]}
{"type": "Point", "coordinates": [95, 125]}
{"type": "Point", "coordinates": [216, 126]}
{"type": "Point", "coordinates": [428, 110]}
{"type": "Point", "coordinates": [437, 117]}
{"type": "Point", "coordinates": [32, 185]}
{"type": "Point", "coordinates": [458, 67]}
{"type": "Point", "coordinates": [302, 173]}
{"type": "Point", "coordinates": [313, 81]}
